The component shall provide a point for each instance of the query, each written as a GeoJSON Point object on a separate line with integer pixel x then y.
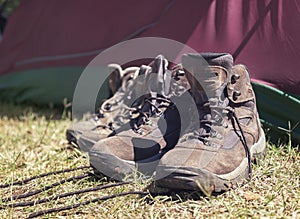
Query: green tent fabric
{"type": "Point", "coordinates": [278, 111]}
{"type": "Point", "coordinates": [47, 86]}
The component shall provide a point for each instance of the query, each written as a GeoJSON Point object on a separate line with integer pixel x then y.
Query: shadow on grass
{"type": "Point", "coordinates": [18, 111]}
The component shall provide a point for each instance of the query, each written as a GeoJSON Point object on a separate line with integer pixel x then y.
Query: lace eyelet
{"type": "Point", "coordinates": [139, 131]}
{"type": "Point", "coordinates": [236, 94]}
{"type": "Point", "coordinates": [159, 113]}
{"type": "Point", "coordinates": [225, 125]}
{"type": "Point", "coordinates": [148, 122]}
{"type": "Point", "coordinates": [107, 106]}
{"type": "Point", "coordinates": [234, 78]}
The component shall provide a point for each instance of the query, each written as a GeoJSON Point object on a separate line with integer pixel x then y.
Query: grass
{"type": "Point", "coordinates": [32, 141]}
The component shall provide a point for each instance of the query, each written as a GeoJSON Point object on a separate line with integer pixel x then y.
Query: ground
{"type": "Point", "coordinates": [32, 142]}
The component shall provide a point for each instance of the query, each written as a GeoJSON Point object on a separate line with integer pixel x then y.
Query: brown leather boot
{"type": "Point", "coordinates": [113, 112]}
{"type": "Point", "coordinates": [138, 145]}
{"type": "Point", "coordinates": [215, 152]}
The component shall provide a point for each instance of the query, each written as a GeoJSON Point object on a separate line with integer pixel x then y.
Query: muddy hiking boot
{"type": "Point", "coordinates": [215, 152]}
{"type": "Point", "coordinates": [137, 146]}
{"type": "Point", "coordinates": [113, 112]}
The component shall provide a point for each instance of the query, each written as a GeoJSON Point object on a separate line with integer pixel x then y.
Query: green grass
{"type": "Point", "coordinates": [32, 141]}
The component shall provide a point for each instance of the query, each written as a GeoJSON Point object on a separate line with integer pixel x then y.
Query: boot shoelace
{"type": "Point", "coordinates": [10, 202]}
{"type": "Point", "coordinates": [116, 102]}
{"type": "Point", "coordinates": [144, 117]}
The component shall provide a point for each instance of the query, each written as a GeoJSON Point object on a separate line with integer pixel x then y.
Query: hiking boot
{"type": "Point", "coordinates": [112, 112]}
{"type": "Point", "coordinates": [118, 110]}
{"type": "Point", "coordinates": [138, 145]}
{"type": "Point", "coordinates": [215, 152]}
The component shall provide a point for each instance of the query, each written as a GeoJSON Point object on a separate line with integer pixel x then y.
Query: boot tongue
{"type": "Point", "coordinates": [208, 82]}
{"type": "Point", "coordinates": [158, 87]}
{"type": "Point", "coordinates": [161, 79]}
{"type": "Point", "coordinates": [204, 74]}
{"type": "Point", "coordinates": [224, 60]}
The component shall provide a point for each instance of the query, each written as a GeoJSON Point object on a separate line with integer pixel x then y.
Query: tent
{"type": "Point", "coordinates": [47, 44]}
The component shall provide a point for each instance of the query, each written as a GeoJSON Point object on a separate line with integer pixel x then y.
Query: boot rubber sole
{"type": "Point", "coordinates": [123, 170]}
{"type": "Point", "coordinates": [187, 178]}
{"type": "Point", "coordinates": [258, 150]}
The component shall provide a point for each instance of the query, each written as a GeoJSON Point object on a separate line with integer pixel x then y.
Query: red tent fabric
{"type": "Point", "coordinates": [40, 34]}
